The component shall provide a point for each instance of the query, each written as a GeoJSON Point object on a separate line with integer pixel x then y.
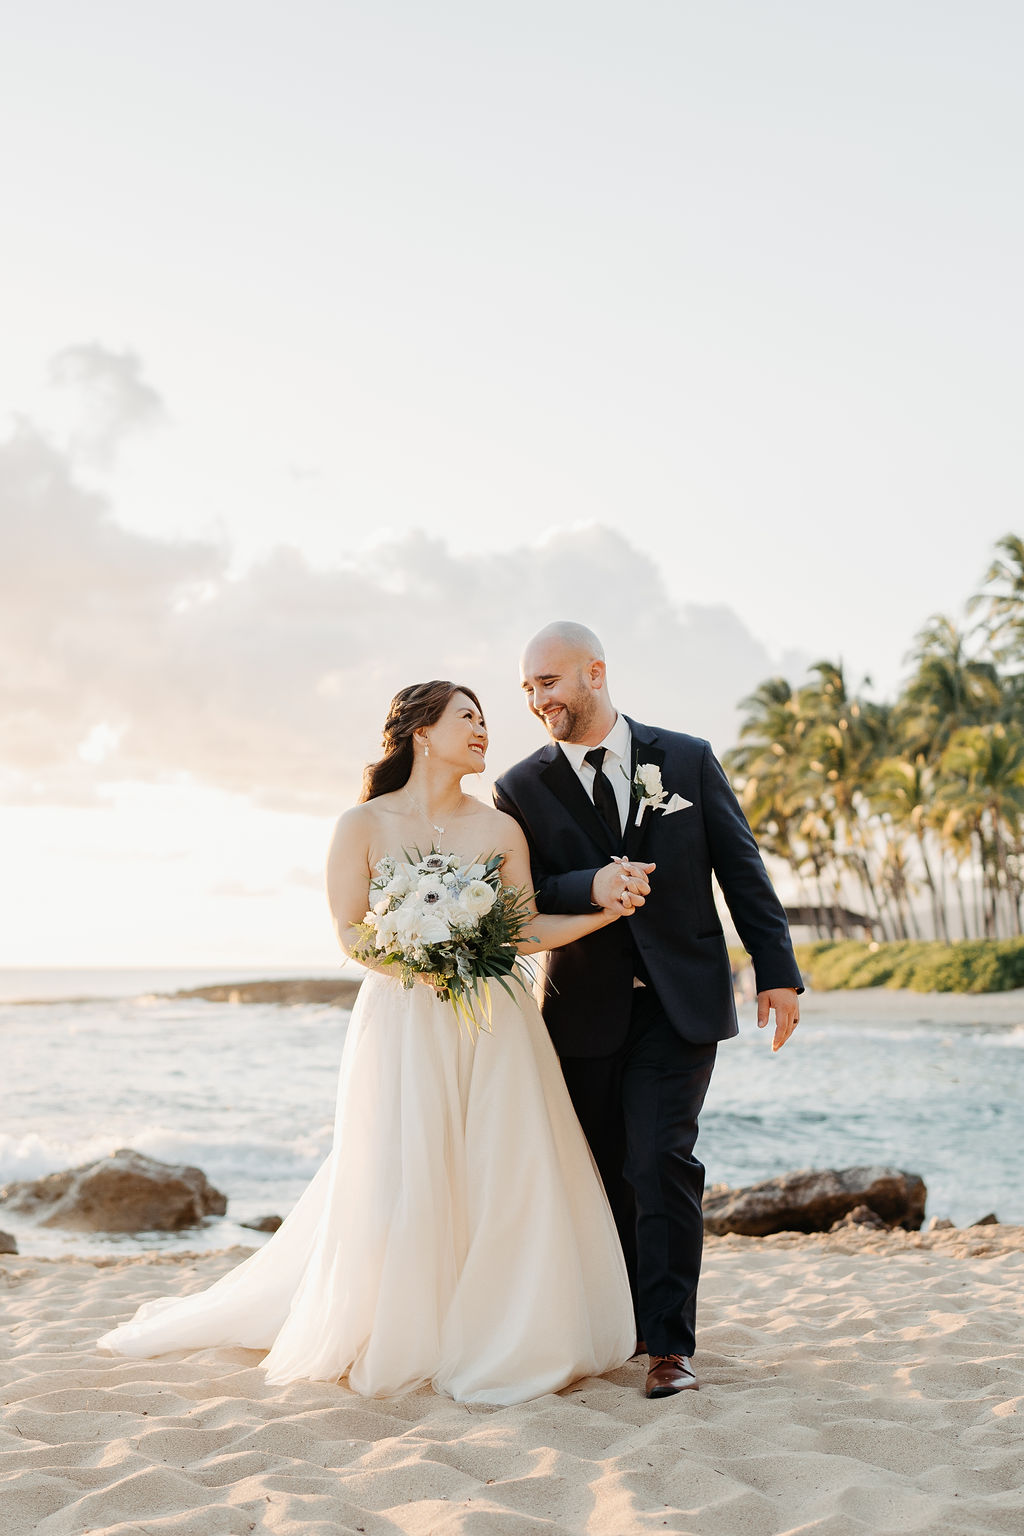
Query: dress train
{"type": "Point", "coordinates": [457, 1233]}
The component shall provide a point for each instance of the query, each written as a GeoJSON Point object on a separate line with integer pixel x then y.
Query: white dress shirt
{"type": "Point", "coordinates": [618, 749]}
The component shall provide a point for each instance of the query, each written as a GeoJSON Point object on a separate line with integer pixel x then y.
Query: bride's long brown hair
{"type": "Point", "coordinates": [411, 709]}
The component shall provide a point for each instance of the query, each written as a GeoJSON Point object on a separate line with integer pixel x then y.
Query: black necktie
{"type": "Point", "coordinates": [604, 795]}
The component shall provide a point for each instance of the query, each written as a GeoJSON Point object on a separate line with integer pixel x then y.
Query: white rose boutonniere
{"type": "Point", "coordinates": [647, 789]}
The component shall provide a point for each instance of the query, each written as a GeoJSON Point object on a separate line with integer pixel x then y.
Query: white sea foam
{"type": "Point", "coordinates": [32, 1156]}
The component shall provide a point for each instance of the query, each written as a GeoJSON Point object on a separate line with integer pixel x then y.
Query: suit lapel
{"type": "Point", "coordinates": [561, 778]}
{"type": "Point", "coordinates": [644, 750]}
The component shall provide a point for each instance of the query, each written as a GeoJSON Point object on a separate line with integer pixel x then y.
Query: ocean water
{"type": "Point", "coordinates": [26, 984]}
{"type": "Point", "coordinates": [246, 1092]}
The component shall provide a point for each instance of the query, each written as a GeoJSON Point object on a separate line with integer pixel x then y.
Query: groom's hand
{"type": "Point", "coordinates": [785, 1001]}
{"type": "Point", "coordinates": [621, 886]}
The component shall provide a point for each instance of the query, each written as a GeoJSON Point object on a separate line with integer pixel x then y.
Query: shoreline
{"type": "Point", "coordinates": [900, 1005]}
{"type": "Point", "coordinates": [337, 991]}
{"type": "Point", "coordinates": [340, 991]}
{"type": "Point", "coordinates": [977, 1240]}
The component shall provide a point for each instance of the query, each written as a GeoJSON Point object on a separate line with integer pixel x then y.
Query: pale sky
{"type": "Point", "coordinates": [385, 332]}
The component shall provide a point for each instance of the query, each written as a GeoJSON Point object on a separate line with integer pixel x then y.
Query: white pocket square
{"type": "Point", "coordinates": [677, 803]}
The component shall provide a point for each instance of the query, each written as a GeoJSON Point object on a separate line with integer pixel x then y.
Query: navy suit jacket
{"type": "Point", "coordinates": [677, 934]}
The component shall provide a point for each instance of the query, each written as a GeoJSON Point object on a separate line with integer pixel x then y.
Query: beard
{"type": "Point", "coordinates": [576, 716]}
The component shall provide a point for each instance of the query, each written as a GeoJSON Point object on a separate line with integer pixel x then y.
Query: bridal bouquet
{"type": "Point", "coordinates": [439, 917]}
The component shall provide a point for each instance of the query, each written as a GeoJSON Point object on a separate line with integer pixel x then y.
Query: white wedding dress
{"type": "Point", "coordinates": [457, 1233]}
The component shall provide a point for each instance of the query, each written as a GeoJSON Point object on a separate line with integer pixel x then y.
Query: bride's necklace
{"type": "Point", "coordinates": [423, 812]}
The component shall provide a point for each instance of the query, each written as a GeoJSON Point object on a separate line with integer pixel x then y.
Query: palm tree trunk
{"type": "Point", "coordinates": [823, 931]}
{"type": "Point", "coordinates": [938, 915]}
{"type": "Point", "coordinates": [1003, 867]}
{"type": "Point", "coordinates": [1018, 891]}
{"type": "Point", "coordinates": [959, 885]}
{"type": "Point", "coordinates": [979, 891]}
{"type": "Point", "coordinates": [943, 901]}
{"type": "Point", "coordinates": [868, 886]}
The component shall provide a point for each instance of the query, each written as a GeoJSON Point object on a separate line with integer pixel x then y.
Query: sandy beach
{"type": "Point", "coordinates": [898, 1006]}
{"type": "Point", "coordinates": [859, 1383]}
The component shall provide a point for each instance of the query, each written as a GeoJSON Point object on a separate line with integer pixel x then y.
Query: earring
{"type": "Point", "coordinates": [426, 749]}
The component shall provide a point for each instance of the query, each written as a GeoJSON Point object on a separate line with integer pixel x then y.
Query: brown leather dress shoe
{"type": "Point", "coordinates": [641, 1349]}
{"type": "Point", "coordinates": [670, 1374]}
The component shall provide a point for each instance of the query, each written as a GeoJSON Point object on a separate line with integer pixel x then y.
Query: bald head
{"type": "Point", "coordinates": [575, 639]}
{"type": "Point", "coordinates": [564, 681]}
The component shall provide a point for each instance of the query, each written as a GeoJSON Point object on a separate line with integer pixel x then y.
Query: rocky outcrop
{"type": "Point", "coordinates": [126, 1192]}
{"type": "Point", "coordinates": [301, 989]}
{"type": "Point", "coordinates": [863, 1218]}
{"type": "Point", "coordinates": [813, 1200]}
{"type": "Point", "coordinates": [7, 1243]}
{"type": "Point", "coordinates": [262, 1223]}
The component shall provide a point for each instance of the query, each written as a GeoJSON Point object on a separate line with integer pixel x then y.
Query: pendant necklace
{"type": "Point", "coordinates": [412, 797]}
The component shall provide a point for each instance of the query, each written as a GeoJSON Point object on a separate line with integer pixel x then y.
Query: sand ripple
{"type": "Point", "coordinates": [858, 1385]}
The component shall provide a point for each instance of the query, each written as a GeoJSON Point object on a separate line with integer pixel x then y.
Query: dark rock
{"type": "Point", "coordinates": [126, 1192]}
{"type": "Point", "coordinates": [991, 1220]}
{"type": "Point", "coordinates": [301, 989]}
{"type": "Point", "coordinates": [812, 1200]}
{"type": "Point", "coordinates": [940, 1224]}
{"type": "Point", "coordinates": [7, 1243]}
{"type": "Point", "coordinates": [263, 1223]}
{"type": "Point", "coordinates": [860, 1216]}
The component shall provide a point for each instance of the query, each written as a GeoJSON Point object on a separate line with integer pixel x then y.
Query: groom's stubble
{"type": "Point", "coordinates": [577, 715]}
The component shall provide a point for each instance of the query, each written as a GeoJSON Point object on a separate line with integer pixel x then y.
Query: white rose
{"type": "Point", "coordinates": [435, 928]}
{"type": "Point", "coordinates": [477, 898]}
{"type": "Point", "coordinates": [407, 922]}
{"type": "Point", "coordinates": [461, 917]}
{"type": "Point", "coordinates": [418, 925]}
{"type": "Point", "coordinates": [400, 881]}
{"type": "Point", "coordinates": [649, 775]}
{"type": "Point", "coordinates": [408, 911]}
{"type": "Point", "coordinates": [387, 932]}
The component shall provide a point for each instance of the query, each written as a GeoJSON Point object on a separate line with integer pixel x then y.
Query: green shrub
{"type": "Point", "coordinates": [972, 965]}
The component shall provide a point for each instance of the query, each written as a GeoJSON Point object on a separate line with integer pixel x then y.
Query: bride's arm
{"type": "Point", "coordinates": [544, 930]}
{"type": "Point", "coordinates": [349, 874]}
{"type": "Point", "coordinates": [348, 881]}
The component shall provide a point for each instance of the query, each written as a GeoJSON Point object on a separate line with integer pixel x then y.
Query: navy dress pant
{"type": "Point", "coordinates": [639, 1109]}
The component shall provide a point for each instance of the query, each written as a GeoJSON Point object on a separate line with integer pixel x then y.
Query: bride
{"type": "Point", "coordinates": [458, 1232]}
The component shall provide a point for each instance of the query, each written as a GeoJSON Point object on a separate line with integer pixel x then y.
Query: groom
{"type": "Point", "coordinates": [636, 1010]}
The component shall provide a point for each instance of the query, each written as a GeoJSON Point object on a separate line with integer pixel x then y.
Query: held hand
{"type": "Point", "coordinates": [621, 886]}
{"type": "Point", "coordinates": [785, 1001]}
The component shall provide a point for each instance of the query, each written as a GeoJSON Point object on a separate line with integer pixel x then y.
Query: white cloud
{"type": "Point", "coordinates": [107, 397]}
{"type": "Point", "coordinates": [130, 658]}
{"type": "Point", "coordinates": [99, 743]}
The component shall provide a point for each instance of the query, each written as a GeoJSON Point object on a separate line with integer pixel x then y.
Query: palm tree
{"type": "Point", "coordinates": [948, 689]}
{"type": "Point", "coordinates": [1003, 620]}
{"type": "Point", "coordinates": [983, 788]}
{"type": "Point", "coordinates": [895, 796]}
{"type": "Point", "coordinates": [766, 765]}
{"type": "Point", "coordinates": [903, 791]}
{"type": "Point", "coordinates": [845, 738]}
